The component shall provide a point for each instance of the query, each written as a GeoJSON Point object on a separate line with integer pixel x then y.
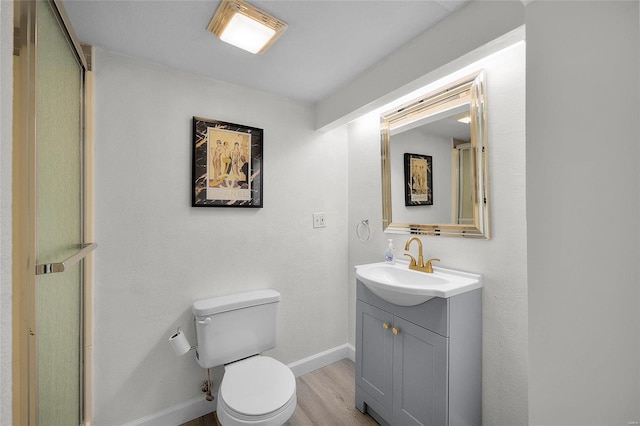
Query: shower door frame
{"type": "Point", "coordinates": [24, 387]}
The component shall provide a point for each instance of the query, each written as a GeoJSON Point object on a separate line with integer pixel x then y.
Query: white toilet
{"type": "Point", "coordinates": [233, 330]}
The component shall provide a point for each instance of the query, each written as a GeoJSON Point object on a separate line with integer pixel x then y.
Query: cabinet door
{"type": "Point", "coordinates": [419, 375]}
{"type": "Point", "coordinates": [374, 356]}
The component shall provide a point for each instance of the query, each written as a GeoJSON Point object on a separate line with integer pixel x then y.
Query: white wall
{"type": "Point", "coordinates": [501, 260]}
{"type": "Point", "coordinates": [6, 93]}
{"type": "Point", "coordinates": [582, 206]}
{"type": "Point", "coordinates": [156, 254]}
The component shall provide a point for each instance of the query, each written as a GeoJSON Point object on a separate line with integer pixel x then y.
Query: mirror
{"type": "Point", "coordinates": [434, 163]}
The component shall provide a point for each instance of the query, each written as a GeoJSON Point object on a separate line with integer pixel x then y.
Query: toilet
{"type": "Point", "coordinates": [233, 331]}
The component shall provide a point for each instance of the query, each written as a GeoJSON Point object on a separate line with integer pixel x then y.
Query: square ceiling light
{"type": "Point", "coordinates": [244, 26]}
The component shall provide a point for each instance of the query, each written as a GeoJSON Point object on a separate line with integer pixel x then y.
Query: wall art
{"type": "Point", "coordinates": [227, 164]}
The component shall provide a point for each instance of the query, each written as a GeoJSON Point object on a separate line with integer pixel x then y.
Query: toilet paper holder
{"type": "Point", "coordinates": [179, 343]}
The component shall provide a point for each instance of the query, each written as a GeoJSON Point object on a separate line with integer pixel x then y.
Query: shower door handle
{"type": "Point", "coordinates": [50, 268]}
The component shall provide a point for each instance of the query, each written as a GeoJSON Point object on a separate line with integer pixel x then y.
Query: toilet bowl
{"type": "Point", "coordinates": [233, 331]}
{"type": "Point", "coordinates": [256, 391]}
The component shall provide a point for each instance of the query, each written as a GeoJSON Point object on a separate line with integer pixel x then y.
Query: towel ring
{"type": "Point", "coordinates": [363, 231]}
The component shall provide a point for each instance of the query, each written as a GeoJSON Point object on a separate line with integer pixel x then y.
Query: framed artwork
{"type": "Point", "coordinates": [418, 179]}
{"type": "Point", "coordinates": [227, 164]}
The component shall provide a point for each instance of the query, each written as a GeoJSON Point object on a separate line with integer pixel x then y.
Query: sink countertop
{"type": "Point", "coordinates": [398, 284]}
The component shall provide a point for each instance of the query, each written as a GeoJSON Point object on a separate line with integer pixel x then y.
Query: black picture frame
{"type": "Point", "coordinates": [418, 179]}
{"type": "Point", "coordinates": [227, 167]}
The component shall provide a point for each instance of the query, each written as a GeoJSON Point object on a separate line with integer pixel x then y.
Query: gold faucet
{"type": "Point", "coordinates": [420, 265]}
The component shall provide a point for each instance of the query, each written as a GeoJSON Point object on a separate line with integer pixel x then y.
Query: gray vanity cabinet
{"type": "Point", "coordinates": [419, 365]}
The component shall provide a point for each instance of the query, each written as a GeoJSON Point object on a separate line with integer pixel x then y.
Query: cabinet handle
{"type": "Point", "coordinates": [386, 325]}
{"type": "Point", "coordinates": [395, 331]}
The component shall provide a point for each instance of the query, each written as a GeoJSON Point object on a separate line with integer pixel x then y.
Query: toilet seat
{"type": "Point", "coordinates": [257, 390]}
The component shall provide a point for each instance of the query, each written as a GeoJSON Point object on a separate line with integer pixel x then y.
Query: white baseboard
{"type": "Point", "coordinates": [198, 407]}
{"type": "Point", "coordinates": [322, 359]}
{"type": "Point", "coordinates": [352, 352]}
{"type": "Point", "coordinates": [178, 414]}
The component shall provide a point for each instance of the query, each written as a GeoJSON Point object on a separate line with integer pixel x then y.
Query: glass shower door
{"type": "Point", "coordinates": [58, 221]}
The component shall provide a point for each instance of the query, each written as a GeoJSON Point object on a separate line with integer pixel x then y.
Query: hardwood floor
{"type": "Point", "coordinates": [326, 397]}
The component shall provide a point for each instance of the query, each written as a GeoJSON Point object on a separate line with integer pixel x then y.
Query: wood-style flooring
{"type": "Point", "coordinates": [326, 397]}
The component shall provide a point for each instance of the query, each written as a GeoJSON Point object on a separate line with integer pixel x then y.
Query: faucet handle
{"type": "Point", "coordinates": [413, 260]}
{"type": "Point", "coordinates": [428, 266]}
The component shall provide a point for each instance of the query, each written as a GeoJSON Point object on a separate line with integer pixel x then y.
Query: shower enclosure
{"type": "Point", "coordinates": [51, 204]}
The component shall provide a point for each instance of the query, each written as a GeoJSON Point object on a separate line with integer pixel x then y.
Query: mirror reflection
{"type": "Point", "coordinates": [434, 163]}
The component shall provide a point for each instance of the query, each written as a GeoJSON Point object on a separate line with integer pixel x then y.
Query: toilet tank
{"type": "Point", "coordinates": [229, 328]}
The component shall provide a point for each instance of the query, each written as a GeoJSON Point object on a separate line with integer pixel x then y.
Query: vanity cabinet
{"type": "Point", "coordinates": [419, 365]}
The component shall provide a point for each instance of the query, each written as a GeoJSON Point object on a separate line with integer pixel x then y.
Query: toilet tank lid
{"type": "Point", "coordinates": [216, 305]}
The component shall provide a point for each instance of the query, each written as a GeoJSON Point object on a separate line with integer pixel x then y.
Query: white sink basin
{"type": "Point", "coordinates": [405, 287]}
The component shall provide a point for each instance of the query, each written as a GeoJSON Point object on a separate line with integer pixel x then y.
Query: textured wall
{"type": "Point", "coordinates": [501, 260]}
{"type": "Point", "coordinates": [6, 91]}
{"type": "Point", "coordinates": [582, 209]}
{"type": "Point", "coordinates": [157, 254]}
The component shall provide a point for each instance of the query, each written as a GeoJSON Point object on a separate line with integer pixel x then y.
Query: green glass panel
{"type": "Point", "coordinates": [58, 226]}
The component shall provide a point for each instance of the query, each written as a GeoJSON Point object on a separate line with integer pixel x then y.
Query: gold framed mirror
{"type": "Point", "coordinates": [435, 171]}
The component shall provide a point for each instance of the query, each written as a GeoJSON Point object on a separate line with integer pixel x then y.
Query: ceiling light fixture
{"type": "Point", "coordinates": [245, 26]}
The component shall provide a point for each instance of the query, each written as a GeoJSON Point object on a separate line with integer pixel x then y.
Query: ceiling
{"type": "Point", "coordinates": [328, 42]}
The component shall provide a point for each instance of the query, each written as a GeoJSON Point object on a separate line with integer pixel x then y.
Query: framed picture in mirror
{"type": "Point", "coordinates": [418, 177]}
